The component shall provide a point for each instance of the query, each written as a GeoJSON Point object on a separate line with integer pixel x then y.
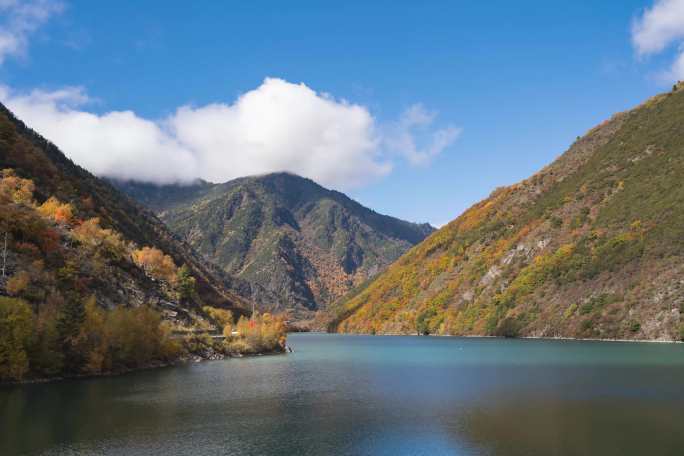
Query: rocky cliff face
{"type": "Point", "coordinates": [291, 244]}
{"type": "Point", "coordinates": [591, 246]}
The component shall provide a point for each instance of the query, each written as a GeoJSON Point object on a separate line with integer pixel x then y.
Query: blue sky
{"type": "Point", "coordinates": [510, 84]}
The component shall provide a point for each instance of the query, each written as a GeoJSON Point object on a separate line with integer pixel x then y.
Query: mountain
{"type": "Point", "coordinates": [291, 243]}
{"type": "Point", "coordinates": [591, 246]}
{"type": "Point", "coordinates": [73, 250]}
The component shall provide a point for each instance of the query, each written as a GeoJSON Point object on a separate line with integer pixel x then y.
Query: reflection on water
{"type": "Point", "coordinates": [370, 395]}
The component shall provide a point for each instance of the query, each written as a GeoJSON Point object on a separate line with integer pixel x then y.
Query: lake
{"type": "Point", "coordinates": [368, 395]}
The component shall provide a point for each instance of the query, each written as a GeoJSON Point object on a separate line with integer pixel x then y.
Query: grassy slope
{"type": "Point", "coordinates": [591, 246]}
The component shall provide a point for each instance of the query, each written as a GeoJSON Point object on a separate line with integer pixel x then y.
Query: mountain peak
{"type": "Point", "coordinates": [298, 245]}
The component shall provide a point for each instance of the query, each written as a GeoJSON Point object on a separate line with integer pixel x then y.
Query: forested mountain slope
{"type": "Point", "coordinates": [591, 246]}
{"type": "Point", "coordinates": [72, 249]}
{"type": "Point", "coordinates": [55, 175]}
{"type": "Point", "coordinates": [297, 245]}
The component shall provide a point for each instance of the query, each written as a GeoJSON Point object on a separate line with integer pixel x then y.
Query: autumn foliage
{"type": "Point", "coordinates": [123, 338]}
{"type": "Point", "coordinates": [16, 332]}
{"type": "Point", "coordinates": [257, 334]}
{"type": "Point", "coordinates": [591, 246]}
{"type": "Point", "coordinates": [92, 235]}
{"type": "Point", "coordinates": [80, 338]}
{"type": "Point", "coordinates": [155, 263]}
{"type": "Point", "coordinates": [54, 209]}
{"type": "Point", "coordinates": [15, 189]}
{"type": "Point", "coordinates": [221, 316]}
{"type": "Point", "coordinates": [52, 323]}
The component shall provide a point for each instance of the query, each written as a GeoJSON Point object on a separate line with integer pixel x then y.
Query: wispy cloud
{"type": "Point", "coordinates": [278, 126]}
{"type": "Point", "coordinates": [658, 28]}
{"type": "Point", "coordinates": [20, 20]}
{"type": "Point", "coordinates": [413, 136]}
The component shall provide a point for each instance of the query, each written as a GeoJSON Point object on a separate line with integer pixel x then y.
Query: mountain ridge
{"type": "Point", "coordinates": [591, 246]}
{"type": "Point", "coordinates": [295, 244]}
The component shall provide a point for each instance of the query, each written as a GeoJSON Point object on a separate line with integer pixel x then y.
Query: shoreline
{"type": "Point", "coordinates": [193, 359]}
{"type": "Point", "coordinates": [558, 338]}
{"type": "Point", "coordinates": [198, 359]}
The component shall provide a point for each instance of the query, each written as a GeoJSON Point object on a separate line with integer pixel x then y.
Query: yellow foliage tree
{"type": "Point", "coordinates": [138, 336]}
{"type": "Point", "coordinates": [16, 189]}
{"type": "Point", "coordinates": [155, 263]}
{"type": "Point", "coordinates": [16, 332]}
{"type": "Point", "coordinates": [258, 334]}
{"type": "Point", "coordinates": [54, 209]}
{"type": "Point", "coordinates": [90, 233]}
{"type": "Point", "coordinates": [95, 336]}
{"type": "Point", "coordinates": [222, 316]}
{"type": "Point", "coordinates": [123, 338]}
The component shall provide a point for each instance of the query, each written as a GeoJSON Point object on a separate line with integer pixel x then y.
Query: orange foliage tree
{"type": "Point", "coordinates": [155, 263]}
{"type": "Point", "coordinates": [56, 210]}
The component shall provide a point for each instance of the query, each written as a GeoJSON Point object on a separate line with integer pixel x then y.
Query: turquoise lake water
{"type": "Point", "coordinates": [368, 395]}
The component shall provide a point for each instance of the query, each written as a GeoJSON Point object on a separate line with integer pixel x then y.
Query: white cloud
{"type": "Point", "coordinates": [116, 144]}
{"type": "Point", "coordinates": [279, 126]}
{"type": "Point", "coordinates": [21, 18]}
{"type": "Point", "coordinates": [659, 27]}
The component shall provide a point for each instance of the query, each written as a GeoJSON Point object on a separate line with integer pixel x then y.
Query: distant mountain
{"type": "Point", "coordinates": [292, 244]}
{"type": "Point", "coordinates": [53, 175]}
{"type": "Point", "coordinates": [591, 246]}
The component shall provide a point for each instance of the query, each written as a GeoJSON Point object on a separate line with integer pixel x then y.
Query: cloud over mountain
{"type": "Point", "coordinates": [279, 126]}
